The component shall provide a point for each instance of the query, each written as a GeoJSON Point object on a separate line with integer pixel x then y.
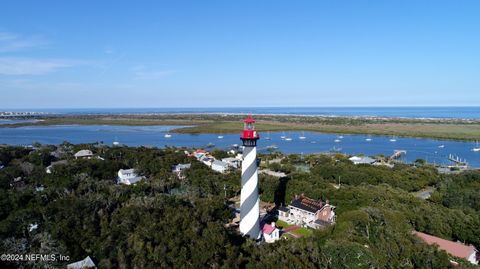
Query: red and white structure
{"type": "Point", "coordinates": [249, 199]}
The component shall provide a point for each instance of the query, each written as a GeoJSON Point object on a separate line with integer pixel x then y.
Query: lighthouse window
{"type": "Point", "coordinates": [249, 126]}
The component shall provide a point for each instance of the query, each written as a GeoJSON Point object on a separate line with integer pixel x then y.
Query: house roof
{"type": "Point", "coordinates": [268, 229]}
{"type": "Point", "coordinates": [362, 160]}
{"type": "Point", "coordinates": [84, 153]}
{"type": "Point", "coordinates": [456, 249]}
{"type": "Point", "coordinates": [220, 163]}
{"type": "Point", "coordinates": [307, 204]}
{"type": "Point", "coordinates": [85, 263]}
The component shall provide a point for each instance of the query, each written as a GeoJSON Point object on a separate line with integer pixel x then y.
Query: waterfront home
{"type": "Point", "coordinates": [83, 264]}
{"type": "Point", "coordinates": [362, 160]}
{"type": "Point", "coordinates": [456, 249]}
{"type": "Point", "coordinates": [179, 169]}
{"type": "Point", "coordinates": [307, 212]}
{"type": "Point", "coordinates": [219, 166]}
{"type": "Point", "coordinates": [84, 154]}
{"type": "Point", "coordinates": [270, 233]}
{"type": "Point", "coordinates": [128, 177]}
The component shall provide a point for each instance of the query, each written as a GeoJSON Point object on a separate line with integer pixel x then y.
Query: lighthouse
{"type": "Point", "coordinates": [249, 200]}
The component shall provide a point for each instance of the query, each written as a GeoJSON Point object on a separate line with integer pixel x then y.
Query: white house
{"type": "Point", "coordinates": [270, 233]}
{"type": "Point", "coordinates": [83, 264]}
{"type": "Point", "coordinates": [128, 177]}
{"type": "Point", "coordinates": [308, 212]}
{"type": "Point", "coordinates": [219, 166]}
{"type": "Point", "coordinates": [84, 154]}
{"type": "Point", "coordinates": [180, 168]}
{"type": "Point", "coordinates": [362, 160]}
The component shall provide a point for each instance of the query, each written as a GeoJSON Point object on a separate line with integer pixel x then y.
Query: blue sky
{"type": "Point", "coordinates": [61, 54]}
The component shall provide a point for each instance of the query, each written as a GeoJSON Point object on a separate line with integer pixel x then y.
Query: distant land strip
{"type": "Point", "coordinates": [452, 129]}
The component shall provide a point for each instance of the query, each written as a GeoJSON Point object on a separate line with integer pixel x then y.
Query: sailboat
{"type": "Point", "coordinates": [476, 148]}
{"type": "Point", "coordinates": [283, 136]}
{"type": "Point", "coordinates": [302, 137]}
{"type": "Point", "coordinates": [340, 137]}
{"type": "Point", "coordinates": [167, 135]}
{"type": "Point", "coordinates": [116, 143]}
{"type": "Point", "coordinates": [441, 146]}
{"type": "Point", "coordinates": [220, 136]}
{"type": "Point", "coordinates": [393, 139]}
{"type": "Point", "coordinates": [368, 139]}
{"type": "Point", "coordinates": [337, 140]}
{"type": "Point", "coordinates": [288, 139]}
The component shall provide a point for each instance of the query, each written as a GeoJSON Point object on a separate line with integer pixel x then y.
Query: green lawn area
{"type": "Point", "coordinates": [305, 232]}
{"type": "Point", "coordinates": [282, 224]}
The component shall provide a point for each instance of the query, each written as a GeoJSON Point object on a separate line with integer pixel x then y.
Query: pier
{"type": "Point", "coordinates": [397, 154]}
{"type": "Point", "coordinates": [457, 160]}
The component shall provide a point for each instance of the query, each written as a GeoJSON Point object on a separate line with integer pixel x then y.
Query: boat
{"type": "Point", "coordinates": [288, 139]}
{"type": "Point", "coordinates": [220, 136]}
{"type": "Point", "coordinates": [368, 139]}
{"type": "Point", "coordinates": [340, 137]}
{"type": "Point", "coordinates": [441, 146]}
{"type": "Point", "coordinates": [272, 147]}
{"type": "Point", "coordinates": [476, 148]}
{"type": "Point", "coordinates": [168, 135]}
{"type": "Point", "coordinates": [337, 140]}
{"type": "Point", "coordinates": [116, 143]}
{"type": "Point", "coordinates": [302, 137]}
{"type": "Point", "coordinates": [210, 145]}
{"type": "Point", "coordinates": [393, 139]}
{"type": "Point", "coordinates": [283, 136]}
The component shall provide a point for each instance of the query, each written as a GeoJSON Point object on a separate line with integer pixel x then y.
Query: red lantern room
{"type": "Point", "coordinates": [249, 135]}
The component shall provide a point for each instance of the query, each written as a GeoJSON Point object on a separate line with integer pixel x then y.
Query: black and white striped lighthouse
{"type": "Point", "coordinates": [249, 199]}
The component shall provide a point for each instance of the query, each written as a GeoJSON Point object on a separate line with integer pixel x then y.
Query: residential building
{"type": "Point", "coordinates": [270, 232]}
{"type": "Point", "coordinates": [362, 160]}
{"type": "Point", "coordinates": [219, 166]}
{"type": "Point", "coordinates": [456, 249]}
{"type": "Point", "coordinates": [128, 177]}
{"type": "Point", "coordinates": [83, 264]}
{"type": "Point", "coordinates": [179, 169]}
{"type": "Point", "coordinates": [308, 212]}
{"type": "Point", "coordinates": [84, 154]}
{"type": "Point", "coordinates": [232, 162]}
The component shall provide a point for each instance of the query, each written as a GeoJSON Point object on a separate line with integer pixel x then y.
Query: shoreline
{"type": "Point", "coordinates": [224, 123]}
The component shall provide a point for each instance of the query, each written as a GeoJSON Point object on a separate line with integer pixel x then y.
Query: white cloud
{"type": "Point", "coordinates": [25, 66]}
{"type": "Point", "coordinates": [10, 42]}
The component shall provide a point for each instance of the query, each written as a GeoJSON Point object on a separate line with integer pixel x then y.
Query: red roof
{"type": "Point", "coordinates": [249, 119]}
{"type": "Point", "coordinates": [268, 229]}
{"type": "Point", "coordinates": [453, 248]}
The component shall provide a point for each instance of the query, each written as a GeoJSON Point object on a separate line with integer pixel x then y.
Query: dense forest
{"type": "Point", "coordinates": [167, 221]}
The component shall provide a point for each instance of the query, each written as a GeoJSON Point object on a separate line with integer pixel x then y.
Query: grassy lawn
{"type": "Point", "coordinates": [282, 224]}
{"type": "Point", "coordinates": [305, 232]}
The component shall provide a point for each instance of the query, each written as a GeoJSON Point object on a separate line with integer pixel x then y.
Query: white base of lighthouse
{"type": "Point", "coordinates": [249, 199]}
